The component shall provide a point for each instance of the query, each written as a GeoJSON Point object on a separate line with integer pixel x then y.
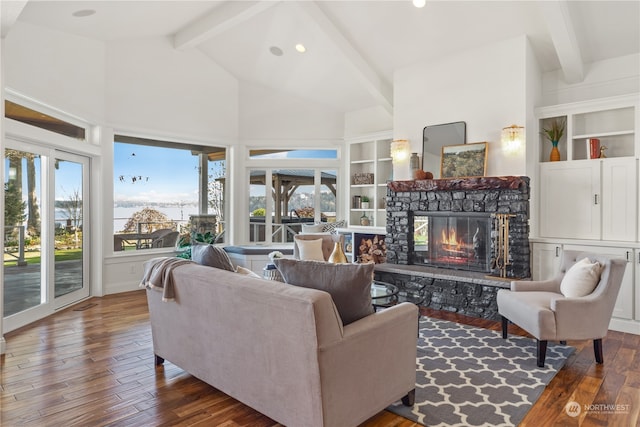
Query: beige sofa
{"type": "Point", "coordinates": [282, 349]}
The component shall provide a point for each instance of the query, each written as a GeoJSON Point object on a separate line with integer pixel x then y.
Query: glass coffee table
{"type": "Point", "coordinates": [383, 294]}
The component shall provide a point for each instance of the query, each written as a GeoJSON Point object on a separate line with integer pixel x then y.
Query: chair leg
{"type": "Point", "coordinates": [505, 327]}
{"type": "Point", "coordinates": [563, 342]}
{"type": "Point", "coordinates": [597, 349]}
{"type": "Point", "coordinates": [542, 352]}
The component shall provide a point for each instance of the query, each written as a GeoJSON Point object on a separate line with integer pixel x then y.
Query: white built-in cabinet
{"type": "Point", "coordinates": [545, 260]}
{"type": "Point", "coordinates": [369, 156]}
{"type": "Point", "coordinates": [589, 199]}
{"type": "Point", "coordinates": [591, 204]}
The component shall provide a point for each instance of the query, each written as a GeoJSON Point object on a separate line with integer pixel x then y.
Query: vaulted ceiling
{"type": "Point", "coordinates": [352, 47]}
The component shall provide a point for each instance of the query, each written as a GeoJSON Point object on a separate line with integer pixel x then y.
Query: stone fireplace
{"type": "Point", "coordinates": [459, 224]}
{"type": "Point", "coordinates": [453, 243]}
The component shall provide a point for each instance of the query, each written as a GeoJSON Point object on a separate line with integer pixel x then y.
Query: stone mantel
{"type": "Point", "coordinates": [457, 184]}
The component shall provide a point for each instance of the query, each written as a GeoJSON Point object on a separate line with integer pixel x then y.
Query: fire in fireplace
{"type": "Point", "coordinates": [459, 241]}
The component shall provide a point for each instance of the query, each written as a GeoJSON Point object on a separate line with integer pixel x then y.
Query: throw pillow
{"type": "Point", "coordinates": [312, 228]}
{"type": "Point", "coordinates": [212, 256]}
{"type": "Point", "coordinates": [581, 279]}
{"type": "Point", "coordinates": [310, 250]}
{"type": "Point", "coordinates": [348, 284]}
{"type": "Point", "coordinates": [247, 272]}
{"type": "Point", "coordinates": [332, 227]}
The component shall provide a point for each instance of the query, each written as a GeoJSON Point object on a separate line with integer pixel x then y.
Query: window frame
{"type": "Point", "coordinates": [269, 165]}
{"type": "Point", "coordinates": [202, 180]}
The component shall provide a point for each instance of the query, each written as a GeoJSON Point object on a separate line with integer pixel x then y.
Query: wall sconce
{"type": "Point", "coordinates": [512, 138]}
{"type": "Point", "coordinates": [400, 150]}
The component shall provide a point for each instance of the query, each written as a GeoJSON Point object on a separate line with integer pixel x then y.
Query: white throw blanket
{"type": "Point", "coordinates": [158, 274]}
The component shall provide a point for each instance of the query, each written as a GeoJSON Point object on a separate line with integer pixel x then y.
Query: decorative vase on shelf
{"type": "Point", "coordinates": [364, 220]}
{"type": "Point", "coordinates": [337, 256]}
{"type": "Point", "coordinates": [555, 153]}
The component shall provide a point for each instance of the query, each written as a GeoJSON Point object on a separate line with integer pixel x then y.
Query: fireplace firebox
{"type": "Point", "coordinates": [460, 241]}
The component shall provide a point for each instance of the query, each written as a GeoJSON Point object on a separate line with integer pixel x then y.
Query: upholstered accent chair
{"type": "Point", "coordinates": [577, 304]}
{"type": "Point", "coordinates": [328, 243]}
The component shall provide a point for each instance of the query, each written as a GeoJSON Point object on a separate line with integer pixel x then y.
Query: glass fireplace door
{"type": "Point", "coordinates": [461, 242]}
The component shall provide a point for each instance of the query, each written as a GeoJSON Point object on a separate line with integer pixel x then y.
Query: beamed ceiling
{"type": "Point", "coordinates": [353, 47]}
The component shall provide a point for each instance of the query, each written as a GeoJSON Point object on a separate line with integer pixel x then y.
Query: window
{"type": "Point", "coordinates": [298, 187]}
{"type": "Point", "coordinates": [275, 153]}
{"type": "Point", "coordinates": [35, 118]}
{"type": "Point", "coordinates": [160, 193]}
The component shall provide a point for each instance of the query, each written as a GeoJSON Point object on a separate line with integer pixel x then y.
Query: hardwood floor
{"type": "Point", "coordinates": [92, 365]}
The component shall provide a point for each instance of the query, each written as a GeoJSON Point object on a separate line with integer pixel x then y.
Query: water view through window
{"type": "Point", "coordinates": [157, 191]}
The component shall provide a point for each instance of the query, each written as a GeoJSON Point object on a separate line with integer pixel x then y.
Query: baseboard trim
{"type": "Point", "coordinates": [623, 325]}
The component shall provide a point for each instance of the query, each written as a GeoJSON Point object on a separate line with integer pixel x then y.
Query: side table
{"type": "Point", "coordinates": [270, 272]}
{"type": "Point", "coordinates": [383, 294]}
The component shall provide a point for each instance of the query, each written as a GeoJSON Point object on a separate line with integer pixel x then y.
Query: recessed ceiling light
{"type": "Point", "coordinates": [275, 50]}
{"type": "Point", "coordinates": [83, 12]}
{"type": "Point", "coordinates": [419, 3]}
{"type": "Point", "coordinates": [300, 48]}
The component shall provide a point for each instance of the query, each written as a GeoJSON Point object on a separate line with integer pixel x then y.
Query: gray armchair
{"type": "Point", "coordinates": [541, 309]}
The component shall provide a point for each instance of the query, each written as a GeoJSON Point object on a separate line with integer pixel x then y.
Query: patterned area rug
{"type": "Point", "coordinates": [469, 376]}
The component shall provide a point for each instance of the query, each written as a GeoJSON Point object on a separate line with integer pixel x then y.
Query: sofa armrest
{"type": "Point", "coordinates": [376, 358]}
{"type": "Point", "coordinates": [551, 285]}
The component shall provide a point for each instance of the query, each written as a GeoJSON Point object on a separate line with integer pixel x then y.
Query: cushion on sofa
{"type": "Point", "coordinates": [312, 228]}
{"type": "Point", "coordinates": [348, 284]}
{"type": "Point", "coordinates": [581, 279]}
{"type": "Point", "coordinates": [212, 256]}
{"type": "Point", "coordinates": [310, 250]}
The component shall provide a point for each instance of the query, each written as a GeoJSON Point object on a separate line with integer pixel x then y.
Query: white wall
{"type": "Point", "coordinates": [268, 115]}
{"type": "Point", "coordinates": [151, 85]}
{"type": "Point", "coordinates": [486, 88]}
{"type": "Point", "coordinates": [63, 71]}
{"type": "Point", "coordinates": [367, 121]}
{"type": "Point", "coordinates": [612, 77]}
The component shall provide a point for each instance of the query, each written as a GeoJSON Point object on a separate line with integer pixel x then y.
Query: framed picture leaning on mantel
{"type": "Point", "coordinates": [467, 160]}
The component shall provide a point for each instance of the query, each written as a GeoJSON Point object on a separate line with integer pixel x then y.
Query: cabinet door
{"type": "Point", "coordinates": [545, 262]}
{"type": "Point", "coordinates": [619, 200]}
{"type": "Point", "coordinates": [570, 199]}
{"type": "Point", "coordinates": [624, 304]}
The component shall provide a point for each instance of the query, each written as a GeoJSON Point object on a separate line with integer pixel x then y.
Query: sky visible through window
{"type": "Point", "coordinates": [145, 174]}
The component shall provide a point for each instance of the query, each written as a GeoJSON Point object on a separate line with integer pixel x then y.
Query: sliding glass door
{"type": "Point", "coordinates": [45, 265]}
{"type": "Point", "coordinates": [70, 178]}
